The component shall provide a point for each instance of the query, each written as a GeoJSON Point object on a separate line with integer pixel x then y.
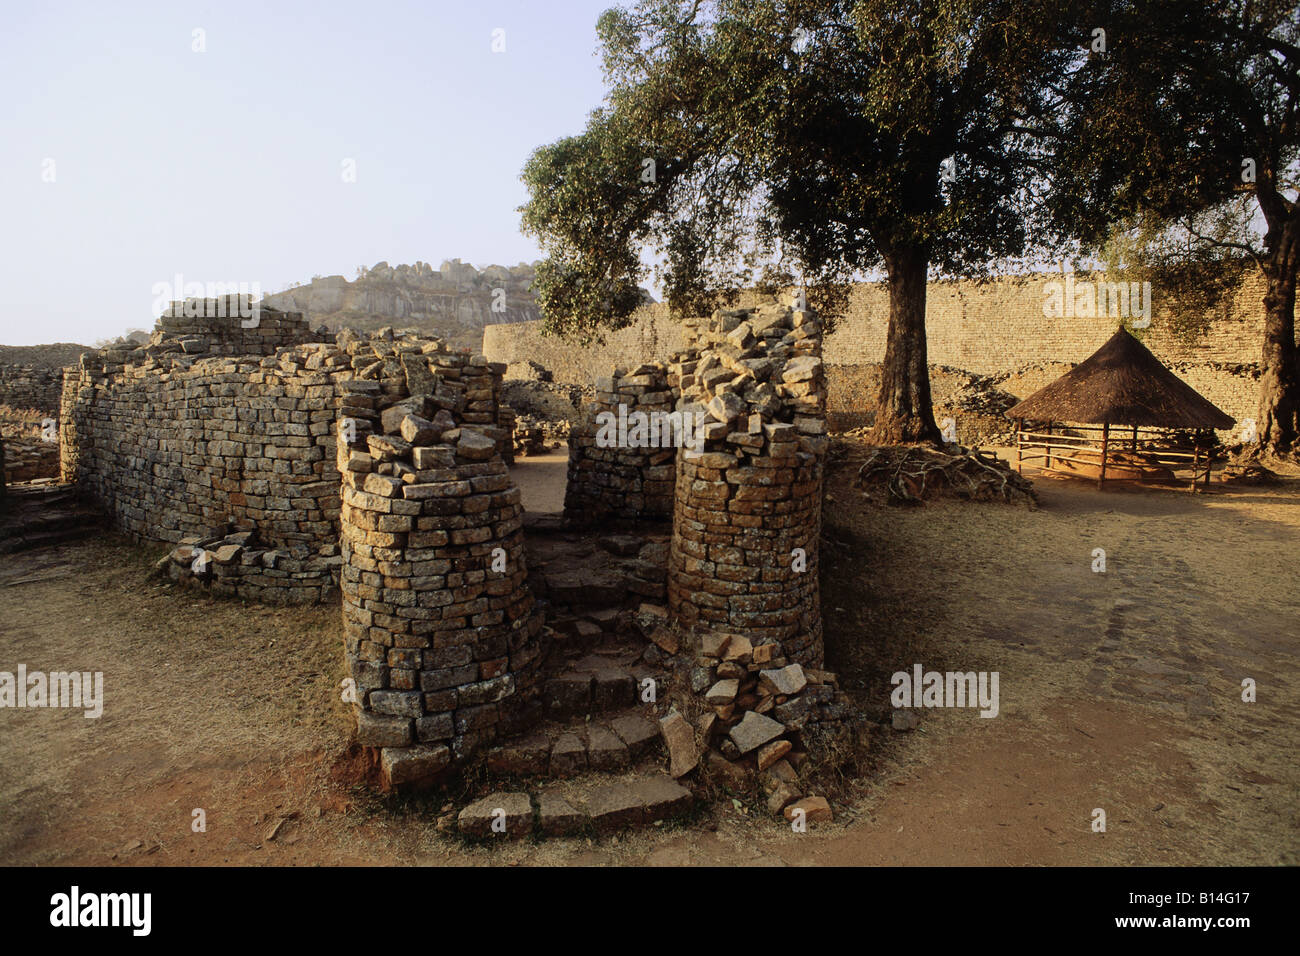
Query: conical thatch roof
{"type": "Point", "coordinates": [1124, 384]}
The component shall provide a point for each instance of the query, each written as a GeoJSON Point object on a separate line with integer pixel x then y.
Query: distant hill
{"type": "Point", "coordinates": [453, 301]}
{"type": "Point", "coordinates": [57, 355]}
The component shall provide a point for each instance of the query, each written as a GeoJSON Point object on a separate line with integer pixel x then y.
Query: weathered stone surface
{"type": "Point", "coordinates": [679, 738]}
{"type": "Point", "coordinates": [375, 730]}
{"type": "Point", "coordinates": [727, 407]}
{"type": "Point", "coordinates": [474, 445]}
{"type": "Point", "coordinates": [638, 734]}
{"type": "Point", "coordinates": [568, 756]}
{"type": "Point", "coordinates": [508, 815]}
{"type": "Point", "coordinates": [723, 692]}
{"type": "Point", "coordinates": [731, 774]}
{"type": "Point", "coordinates": [815, 810]}
{"type": "Point", "coordinates": [769, 754]}
{"type": "Point", "coordinates": [525, 757]}
{"type": "Point", "coordinates": [605, 751]}
{"type": "Point", "coordinates": [753, 731]}
{"type": "Point", "coordinates": [780, 797]}
{"type": "Point", "coordinates": [557, 817]}
{"type": "Point", "coordinates": [569, 694]}
{"type": "Point", "coordinates": [413, 766]}
{"type": "Point", "coordinates": [614, 806]}
{"type": "Point", "coordinates": [788, 680]}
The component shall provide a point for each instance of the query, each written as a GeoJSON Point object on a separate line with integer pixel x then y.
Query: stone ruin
{"type": "Point", "coordinates": [288, 465]}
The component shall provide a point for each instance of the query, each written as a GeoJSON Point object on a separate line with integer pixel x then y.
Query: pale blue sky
{"type": "Point", "coordinates": [226, 165]}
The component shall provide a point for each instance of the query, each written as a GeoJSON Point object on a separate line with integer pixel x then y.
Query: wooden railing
{"type": "Point", "coordinates": [1097, 446]}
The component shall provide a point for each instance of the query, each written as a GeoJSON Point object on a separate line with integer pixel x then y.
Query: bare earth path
{"type": "Point", "coordinates": [1119, 691]}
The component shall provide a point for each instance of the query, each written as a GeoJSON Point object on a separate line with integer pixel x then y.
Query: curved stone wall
{"type": "Point", "coordinates": [440, 623]}
{"type": "Point", "coordinates": [747, 518]}
{"type": "Point", "coordinates": [613, 471]}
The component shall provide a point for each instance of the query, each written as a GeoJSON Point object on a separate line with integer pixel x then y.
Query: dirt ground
{"type": "Point", "coordinates": [1118, 690]}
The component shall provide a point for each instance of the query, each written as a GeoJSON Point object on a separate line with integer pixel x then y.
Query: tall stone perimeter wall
{"type": "Point", "coordinates": [616, 481]}
{"type": "Point", "coordinates": [994, 328]}
{"type": "Point", "coordinates": [752, 494]}
{"type": "Point", "coordinates": [652, 337]}
{"type": "Point", "coordinates": [440, 623]}
{"type": "Point", "coordinates": [27, 386]}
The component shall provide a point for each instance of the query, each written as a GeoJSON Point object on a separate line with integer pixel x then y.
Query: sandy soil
{"type": "Point", "coordinates": [541, 479]}
{"type": "Point", "coordinates": [1118, 690]}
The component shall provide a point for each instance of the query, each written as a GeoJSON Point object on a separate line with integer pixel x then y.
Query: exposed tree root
{"type": "Point", "coordinates": [912, 473]}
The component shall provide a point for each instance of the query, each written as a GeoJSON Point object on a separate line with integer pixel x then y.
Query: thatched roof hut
{"type": "Point", "coordinates": [1121, 383]}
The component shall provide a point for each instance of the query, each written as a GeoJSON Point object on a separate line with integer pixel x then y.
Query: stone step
{"type": "Point", "coordinates": [612, 744]}
{"type": "Point", "coordinates": [40, 527]}
{"type": "Point", "coordinates": [607, 679]}
{"type": "Point", "coordinates": [601, 806]}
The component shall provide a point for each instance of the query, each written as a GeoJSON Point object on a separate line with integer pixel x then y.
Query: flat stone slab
{"type": "Point", "coordinates": [629, 803]}
{"type": "Point", "coordinates": [569, 694]}
{"type": "Point", "coordinates": [637, 733]}
{"type": "Point", "coordinates": [605, 751]}
{"type": "Point", "coordinates": [753, 731]}
{"type": "Point", "coordinates": [498, 814]}
{"type": "Point", "coordinates": [406, 766]}
{"type": "Point", "coordinates": [613, 689]}
{"type": "Point", "coordinates": [788, 680]}
{"type": "Point", "coordinates": [528, 756]}
{"type": "Point", "coordinates": [568, 756]}
{"type": "Point", "coordinates": [557, 817]}
{"type": "Point", "coordinates": [723, 692]}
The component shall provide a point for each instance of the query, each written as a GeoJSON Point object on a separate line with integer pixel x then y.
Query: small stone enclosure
{"type": "Point", "coordinates": [286, 465]}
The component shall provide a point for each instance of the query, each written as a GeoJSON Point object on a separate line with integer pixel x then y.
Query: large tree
{"type": "Point", "coordinates": [766, 142]}
{"type": "Point", "coordinates": [1185, 128]}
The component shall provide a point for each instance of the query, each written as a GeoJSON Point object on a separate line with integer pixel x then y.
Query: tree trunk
{"type": "Point", "coordinates": [903, 411]}
{"type": "Point", "coordinates": [1278, 422]}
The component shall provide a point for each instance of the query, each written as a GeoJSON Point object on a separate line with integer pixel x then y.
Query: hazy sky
{"type": "Point", "coordinates": [227, 165]}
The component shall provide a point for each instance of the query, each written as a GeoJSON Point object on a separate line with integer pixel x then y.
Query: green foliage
{"type": "Point", "coordinates": [793, 141]}
{"type": "Point", "coordinates": [1161, 127]}
{"type": "Point", "coordinates": [1193, 280]}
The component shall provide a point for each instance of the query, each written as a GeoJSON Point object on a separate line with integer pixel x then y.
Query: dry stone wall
{"type": "Point", "coordinates": [440, 623]}
{"type": "Point", "coordinates": [747, 517]}
{"type": "Point", "coordinates": [194, 448]}
{"type": "Point", "coordinates": [994, 329]}
{"type": "Point", "coordinates": [621, 455]}
{"type": "Point", "coordinates": [34, 387]}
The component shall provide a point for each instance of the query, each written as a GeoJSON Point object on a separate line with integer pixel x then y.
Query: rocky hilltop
{"type": "Point", "coordinates": [453, 301]}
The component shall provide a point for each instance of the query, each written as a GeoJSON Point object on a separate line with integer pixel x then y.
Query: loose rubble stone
{"type": "Point", "coordinates": [788, 680]}
{"type": "Point", "coordinates": [815, 810]}
{"type": "Point", "coordinates": [680, 740]}
{"type": "Point", "coordinates": [753, 731]}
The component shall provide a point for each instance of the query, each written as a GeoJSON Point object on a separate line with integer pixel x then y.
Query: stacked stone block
{"type": "Point", "coordinates": [31, 387]}
{"type": "Point", "coordinates": [744, 552]}
{"type": "Point", "coordinates": [440, 624]}
{"type": "Point", "coordinates": [625, 480]}
{"type": "Point", "coordinates": [230, 325]}
{"type": "Point", "coordinates": [171, 450]}
{"type": "Point", "coordinates": [185, 448]}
